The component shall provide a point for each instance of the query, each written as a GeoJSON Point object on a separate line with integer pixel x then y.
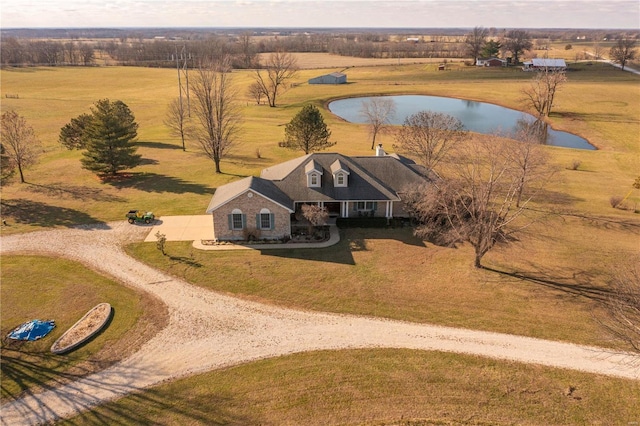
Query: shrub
{"type": "Point", "coordinates": [575, 164]}
{"type": "Point", "coordinates": [251, 234]}
{"type": "Point", "coordinates": [616, 201]}
{"type": "Point", "coordinates": [161, 242]}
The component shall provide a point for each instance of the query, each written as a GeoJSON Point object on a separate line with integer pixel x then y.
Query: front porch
{"type": "Point", "coordinates": [349, 209]}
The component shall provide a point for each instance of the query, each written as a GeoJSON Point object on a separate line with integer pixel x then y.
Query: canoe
{"type": "Point", "coordinates": [84, 329]}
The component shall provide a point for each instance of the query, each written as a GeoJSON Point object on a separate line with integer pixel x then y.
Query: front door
{"type": "Point", "coordinates": [333, 208]}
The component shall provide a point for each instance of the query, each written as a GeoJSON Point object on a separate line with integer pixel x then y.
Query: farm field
{"type": "Point", "coordinates": [545, 285]}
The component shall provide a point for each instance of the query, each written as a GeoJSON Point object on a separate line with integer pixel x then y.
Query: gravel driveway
{"type": "Point", "coordinates": [208, 330]}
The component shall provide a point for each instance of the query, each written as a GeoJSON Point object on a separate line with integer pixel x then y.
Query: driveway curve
{"type": "Point", "coordinates": [208, 330]}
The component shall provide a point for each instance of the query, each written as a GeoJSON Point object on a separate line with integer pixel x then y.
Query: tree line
{"type": "Point", "coordinates": [243, 48]}
{"type": "Point", "coordinates": [17, 52]}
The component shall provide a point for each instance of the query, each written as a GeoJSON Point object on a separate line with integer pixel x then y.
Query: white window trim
{"type": "Point", "coordinates": [313, 175]}
{"type": "Point", "coordinates": [237, 213]}
{"type": "Point", "coordinates": [266, 212]}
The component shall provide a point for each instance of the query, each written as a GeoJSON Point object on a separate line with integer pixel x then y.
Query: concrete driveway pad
{"type": "Point", "coordinates": [183, 228]}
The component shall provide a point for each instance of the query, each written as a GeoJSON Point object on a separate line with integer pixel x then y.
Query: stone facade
{"type": "Point", "coordinates": [251, 204]}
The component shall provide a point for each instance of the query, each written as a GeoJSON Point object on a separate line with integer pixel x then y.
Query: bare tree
{"type": "Point", "coordinates": [529, 159]}
{"type": "Point", "coordinates": [7, 167]}
{"type": "Point", "coordinates": [256, 92]}
{"type": "Point", "coordinates": [247, 51]}
{"type": "Point", "coordinates": [540, 94]}
{"type": "Point", "coordinates": [475, 42]}
{"type": "Point", "coordinates": [378, 112]}
{"type": "Point", "coordinates": [215, 109]}
{"type": "Point", "coordinates": [478, 204]}
{"type": "Point", "coordinates": [177, 120]}
{"type": "Point", "coordinates": [623, 51]}
{"type": "Point", "coordinates": [21, 146]}
{"type": "Point", "coordinates": [279, 68]}
{"type": "Point", "coordinates": [621, 317]}
{"type": "Point", "coordinates": [87, 54]}
{"type": "Point", "coordinates": [597, 51]}
{"type": "Point", "coordinates": [517, 42]}
{"type": "Point", "coordinates": [429, 136]}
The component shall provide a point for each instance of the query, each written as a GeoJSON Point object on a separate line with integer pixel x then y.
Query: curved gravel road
{"type": "Point", "coordinates": [208, 330]}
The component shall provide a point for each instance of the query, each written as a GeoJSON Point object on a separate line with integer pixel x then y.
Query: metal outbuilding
{"type": "Point", "coordinates": [333, 78]}
{"type": "Point", "coordinates": [545, 64]}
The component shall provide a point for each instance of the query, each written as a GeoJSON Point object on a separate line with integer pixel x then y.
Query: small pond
{"type": "Point", "coordinates": [476, 116]}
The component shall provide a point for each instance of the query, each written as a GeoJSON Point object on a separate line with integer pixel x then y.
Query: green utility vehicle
{"type": "Point", "coordinates": [138, 216]}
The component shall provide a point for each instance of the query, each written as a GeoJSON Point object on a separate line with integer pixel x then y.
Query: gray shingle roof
{"type": "Point", "coordinates": [370, 178]}
{"type": "Point", "coordinates": [266, 188]}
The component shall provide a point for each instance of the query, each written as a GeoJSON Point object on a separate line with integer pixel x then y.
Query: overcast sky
{"type": "Point", "coordinates": [323, 13]}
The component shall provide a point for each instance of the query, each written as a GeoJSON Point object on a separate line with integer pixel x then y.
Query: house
{"type": "Point", "coordinates": [333, 78]}
{"type": "Point", "coordinates": [545, 63]}
{"type": "Point", "coordinates": [266, 207]}
{"type": "Point", "coordinates": [491, 62]}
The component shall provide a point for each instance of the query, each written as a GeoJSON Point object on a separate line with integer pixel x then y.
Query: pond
{"type": "Point", "coordinates": [477, 117]}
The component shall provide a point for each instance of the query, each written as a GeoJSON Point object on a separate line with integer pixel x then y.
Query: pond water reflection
{"type": "Point", "coordinates": [477, 117]}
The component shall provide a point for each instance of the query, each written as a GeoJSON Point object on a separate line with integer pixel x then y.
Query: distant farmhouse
{"type": "Point", "coordinates": [491, 62]}
{"type": "Point", "coordinates": [333, 78]}
{"type": "Point", "coordinates": [363, 186]}
{"type": "Point", "coordinates": [544, 63]}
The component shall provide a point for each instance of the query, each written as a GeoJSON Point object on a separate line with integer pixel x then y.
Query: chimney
{"type": "Point", "coordinates": [379, 151]}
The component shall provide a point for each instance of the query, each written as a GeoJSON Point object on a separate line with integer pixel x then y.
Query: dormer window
{"type": "Point", "coordinates": [340, 173]}
{"type": "Point", "coordinates": [314, 174]}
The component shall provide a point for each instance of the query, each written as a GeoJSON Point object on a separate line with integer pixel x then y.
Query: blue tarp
{"type": "Point", "coordinates": [32, 330]}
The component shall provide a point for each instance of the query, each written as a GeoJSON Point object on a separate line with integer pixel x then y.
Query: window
{"type": "Point", "coordinates": [265, 219]}
{"type": "Point", "coordinates": [340, 179]}
{"type": "Point", "coordinates": [236, 220]}
{"type": "Point", "coordinates": [313, 179]}
{"type": "Point", "coordinates": [365, 205]}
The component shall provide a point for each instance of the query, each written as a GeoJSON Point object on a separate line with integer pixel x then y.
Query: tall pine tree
{"type": "Point", "coordinates": [109, 139]}
{"type": "Point", "coordinates": [307, 131]}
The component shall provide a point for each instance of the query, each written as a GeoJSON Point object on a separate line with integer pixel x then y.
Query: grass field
{"type": "Point", "coordinates": [379, 387]}
{"type": "Point", "coordinates": [48, 288]}
{"type": "Point", "coordinates": [545, 285]}
{"type": "Point", "coordinates": [599, 103]}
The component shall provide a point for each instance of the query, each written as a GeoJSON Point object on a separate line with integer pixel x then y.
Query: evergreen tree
{"type": "Point", "coordinates": [72, 135]}
{"type": "Point", "coordinates": [109, 139]}
{"type": "Point", "coordinates": [307, 131]}
{"type": "Point", "coordinates": [491, 49]}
